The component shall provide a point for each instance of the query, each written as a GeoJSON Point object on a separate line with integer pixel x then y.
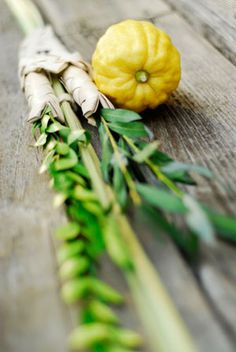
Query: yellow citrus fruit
{"type": "Point", "coordinates": [136, 65]}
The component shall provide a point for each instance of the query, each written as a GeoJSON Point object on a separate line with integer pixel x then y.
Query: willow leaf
{"type": "Point", "coordinates": [224, 225]}
{"type": "Point", "coordinates": [67, 162]}
{"type": "Point", "coordinates": [160, 198]}
{"type": "Point", "coordinates": [107, 153]}
{"type": "Point", "coordinates": [41, 140]}
{"type": "Point", "coordinates": [44, 123]}
{"type": "Point", "coordinates": [120, 115]}
{"type": "Point", "coordinates": [119, 186]}
{"type": "Point", "coordinates": [54, 127]}
{"type": "Point", "coordinates": [75, 135]}
{"type": "Point", "coordinates": [146, 152]}
{"type": "Point", "coordinates": [198, 221]}
{"type": "Point", "coordinates": [158, 223]}
{"type": "Point", "coordinates": [176, 167]}
{"type": "Point", "coordinates": [47, 161]}
{"type": "Point", "coordinates": [158, 157]}
{"type": "Point", "coordinates": [132, 129]}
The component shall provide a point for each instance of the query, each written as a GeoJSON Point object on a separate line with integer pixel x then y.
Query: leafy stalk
{"type": "Point", "coordinates": [165, 196]}
{"type": "Point", "coordinates": [121, 164]}
{"type": "Point", "coordinates": [143, 280]}
{"type": "Point", "coordinates": [156, 169]}
{"type": "Point", "coordinates": [95, 221]}
{"type": "Point", "coordinates": [87, 153]}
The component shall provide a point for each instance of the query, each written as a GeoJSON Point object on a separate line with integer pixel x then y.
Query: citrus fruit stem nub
{"type": "Point", "coordinates": [141, 76]}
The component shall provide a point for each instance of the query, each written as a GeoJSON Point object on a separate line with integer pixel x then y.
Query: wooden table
{"type": "Point", "coordinates": [197, 125]}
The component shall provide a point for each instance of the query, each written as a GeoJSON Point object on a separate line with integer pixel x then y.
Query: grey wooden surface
{"type": "Point", "coordinates": [214, 19]}
{"type": "Point", "coordinates": [197, 125]}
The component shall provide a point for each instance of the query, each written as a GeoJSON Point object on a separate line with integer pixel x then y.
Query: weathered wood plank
{"type": "Point", "coordinates": [33, 317]}
{"type": "Point", "coordinates": [104, 11]}
{"type": "Point", "coordinates": [199, 125]}
{"type": "Point", "coordinates": [216, 20]}
{"type": "Point", "coordinates": [31, 313]}
{"type": "Point", "coordinates": [187, 129]}
{"type": "Point", "coordinates": [92, 18]}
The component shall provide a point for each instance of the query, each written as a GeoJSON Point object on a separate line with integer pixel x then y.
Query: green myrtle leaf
{"type": "Point", "coordinates": [70, 250]}
{"type": "Point", "coordinates": [224, 225]}
{"type": "Point", "coordinates": [81, 170]}
{"type": "Point", "coordinates": [84, 194]}
{"type": "Point", "coordinates": [51, 144]}
{"type": "Point", "coordinates": [126, 338]}
{"type": "Point", "coordinates": [107, 152]}
{"type": "Point", "coordinates": [35, 126]}
{"type": "Point", "coordinates": [41, 140]}
{"type": "Point", "coordinates": [105, 291]}
{"type": "Point", "coordinates": [62, 182]}
{"type": "Point", "coordinates": [75, 177]}
{"type": "Point", "coordinates": [176, 167]}
{"type": "Point", "coordinates": [161, 198]}
{"type": "Point", "coordinates": [94, 208]}
{"type": "Point", "coordinates": [67, 162]}
{"type": "Point", "coordinates": [115, 245]}
{"type": "Point", "coordinates": [68, 231]}
{"type": "Point", "coordinates": [146, 152]}
{"type": "Point", "coordinates": [86, 336]}
{"type": "Point", "coordinates": [59, 199]}
{"type": "Point", "coordinates": [131, 129]}
{"type": "Point", "coordinates": [73, 267]}
{"type": "Point", "coordinates": [92, 231]}
{"type": "Point", "coordinates": [47, 161]}
{"type": "Point", "coordinates": [64, 133]}
{"type": "Point", "coordinates": [54, 127]}
{"type": "Point", "coordinates": [75, 289]}
{"type": "Point", "coordinates": [198, 221]}
{"type": "Point", "coordinates": [62, 148]}
{"type": "Point", "coordinates": [116, 348]}
{"type": "Point", "coordinates": [102, 312]}
{"type": "Point", "coordinates": [44, 122]}
{"type": "Point", "coordinates": [75, 136]}
{"type": "Point", "coordinates": [120, 115]}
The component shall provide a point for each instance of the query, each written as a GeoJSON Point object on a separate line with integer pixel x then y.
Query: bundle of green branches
{"type": "Point", "coordinates": [146, 177]}
{"type": "Point", "coordinates": [134, 173]}
{"type": "Point", "coordinates": [89, 230]}
{"type": "Point", "coordinates": [97, 223]}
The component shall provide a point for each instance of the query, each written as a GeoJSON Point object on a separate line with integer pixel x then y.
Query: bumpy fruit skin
{"type": "Point", "coordinates": [136, 65]}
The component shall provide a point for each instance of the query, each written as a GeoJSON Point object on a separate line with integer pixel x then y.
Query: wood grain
{"type": "Point", "coordinates": [192, 127]}
{"type": "Point", "coordinates": [215, 20]}
{"type": "Point", "coordinates": [93, 17]}
{"type": "Point", "coordinates": [197, 125]}
{"type": "Point", "coordinates": [32, 317]}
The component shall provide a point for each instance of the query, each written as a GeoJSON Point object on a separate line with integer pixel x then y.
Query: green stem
{"type": "Point", "coordinates": [155, 307]}
{"type": "Point", "coordinates": [131, 185]}
{"type": "Point", "coordinates": [87, 152]}
{"type": "Point", "coordinates": [156, 170]}
{"type": "Point", "coordinates": [26, 14]}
